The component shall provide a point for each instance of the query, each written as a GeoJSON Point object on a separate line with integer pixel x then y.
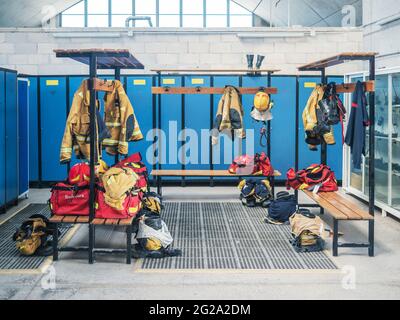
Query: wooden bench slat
{"type": "Point", "coordinates": [111, 221]}
{"type": "Point", "coordinates": [202, 173]}
{"type": "Point", "coordinates": [56, 219]}
{"type": "Point", "coordinates": [126, 222]}
{"type": "Point", "coordinates": [330, 197]}
{"type": "Point", "coordinates": [82, 219]}
{"type": "Point", "coordinates": [337, 214]}
{"type": "Point", "coordinates": [349, 203]}
{"type": "Point", "coordinates": [98, 221]}
{"type": "Point", "coordinates": [70, 219]}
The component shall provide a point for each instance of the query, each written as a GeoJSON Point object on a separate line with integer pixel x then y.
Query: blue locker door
{"type": "Point", "coordinates": [2, 139]}
{"type": "Point", "coordinates": [33, 130]}
{"type": "Point", "coordinates": [252, 143]}
{"type": "Point", "coordinates": [171, 124]}
{"type": "Point", "coordinates": [335, 153]}
{"type": "Point", "coordinates": [306, 156]}
{"type": "Point", "coordinates": [139, 92]}
{"type": "Point", "coordinates": [23, 111]}
{"type": "Point", "coordinates": [11, 137]}
{"type": "Point", "coordinates": [225, 147]}
{"type": "Point", "coordinates": [197, 126]}
{"type": "Point", "coordinates": [53, 102]}
{"type": "Point", "coordinates": [283, 126]}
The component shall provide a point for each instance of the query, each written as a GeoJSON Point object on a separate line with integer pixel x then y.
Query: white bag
{"type": "Point", "coordinates": [163, 234]}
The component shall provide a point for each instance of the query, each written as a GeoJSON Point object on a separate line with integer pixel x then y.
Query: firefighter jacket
{"type": "Point", "coordinates": [120, 120]}
{"type": "Point", "coordinates": [77, 133]}
{"type": "Point", "coordinates": [118, 182]}
{"type": "Point", "coordinates": [358, 123]}
{"type": "Point", "coordinates": [229, 118]}
{"type": "Point", "coordinates": [314, 125]}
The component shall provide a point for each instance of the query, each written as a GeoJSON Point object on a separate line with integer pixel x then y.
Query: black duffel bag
{"type": "Point", "coordinates": [282, 208]}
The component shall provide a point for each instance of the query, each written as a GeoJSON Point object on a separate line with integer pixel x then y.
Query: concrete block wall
{"type": "Point", "coordinates": [382, 39]}
{"type": "Point", "coordinates": [30, 51]}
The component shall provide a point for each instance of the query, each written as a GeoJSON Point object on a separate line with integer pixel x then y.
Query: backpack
{"type": "Point", "coordinates": [32, 236]}
{"type": "Point", "coordinates": [152, 202]}
{"type": "Point", "coordinates": [79, 174]}
{"type": "Point", "coordinates": [252, 165]}
{"type": "Point", "coordinates": [255, 193]}
{"type": "Point", "coordinates": [316, 177]}
{"type": "Point", "coordinates": [331, 106]}
{"type": "Point", "coordinates": [307, 230]}
{"type": "Point", "coordinates": [282, 208]}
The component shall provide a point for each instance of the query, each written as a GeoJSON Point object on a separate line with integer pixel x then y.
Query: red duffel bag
{"type": "Point", "coordinates": [135, 163]}
{"type": "Point", "coordinates": [69, 199]}
{"type": "Point", "coordinates": [132, 206]}
{"type": "Point", "coordinates": [249, 165]}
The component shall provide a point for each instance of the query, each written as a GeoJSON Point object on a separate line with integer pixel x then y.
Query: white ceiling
{"type": "Point", "coordinates": [321, 13]}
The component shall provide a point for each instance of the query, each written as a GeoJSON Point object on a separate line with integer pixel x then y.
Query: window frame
{"type": "Point", "coordinates": [228, 14]}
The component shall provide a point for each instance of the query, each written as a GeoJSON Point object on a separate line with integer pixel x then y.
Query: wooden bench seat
{"type": "Point", "coordinates": [128, 223]}
{"type": "Point", "coordinates": [342, 208]}
{"type": "Point", "coordinates": [199, 173]}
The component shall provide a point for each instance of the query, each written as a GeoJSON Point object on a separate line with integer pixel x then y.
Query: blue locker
{"type": "Point", "coordinates": [171, 124]}
{"type": "Point", "coordinates": [23, 112]}
{"type": "Point", "coordinates": [225, 162]}
{"type": "Point", "coordinates": [197, 118]}
{"type": "Point", "coordinates": [306, 156]}
{"type": "Point", "coordinates": [139, 92]}
{"type": "Point", "coordinates": [11, 138]}
{"type": "Point", "coordinates": [2, 139]}
{"type": "Point", "coordinates": [283, 125]}
{"type": "Point", "coordinates": [33, 130]}
{"type": "Point", "coordinates": [53, 103]}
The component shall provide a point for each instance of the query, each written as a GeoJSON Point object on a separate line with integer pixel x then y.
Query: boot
{"type": "Point", "coordinates": [250, 60]}
{"type": "Point", "coordinates": [260, 60]}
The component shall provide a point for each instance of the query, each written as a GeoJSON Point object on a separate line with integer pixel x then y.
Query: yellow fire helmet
{"type": "Point", "coordinates": [262, 107]}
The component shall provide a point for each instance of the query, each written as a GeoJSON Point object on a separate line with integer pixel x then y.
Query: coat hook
{"type": "Point", "coordinates": [198, 89]}
{"type": "Point", "coordinates": [166, 89]}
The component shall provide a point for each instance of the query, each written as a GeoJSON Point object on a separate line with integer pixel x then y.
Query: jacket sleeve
{"type": "Point", "coordinates": [67, 142]}
{"type": "Point", "coordinates": [130, 130]}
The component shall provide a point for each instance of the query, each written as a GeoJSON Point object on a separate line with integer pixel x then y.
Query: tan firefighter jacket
{"type": "Point", "coordinates": [76, 134]}
{"type": "Point", "coordinates": [310, 119]}
{"type": "Point", "coordinates": [120, 120]}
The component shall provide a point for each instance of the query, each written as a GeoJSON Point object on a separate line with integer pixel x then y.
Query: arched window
{"type": "Point", "coordinates": [163, 13]}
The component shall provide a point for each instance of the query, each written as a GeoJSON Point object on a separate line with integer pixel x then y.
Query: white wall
{"type": "Point", "coordinates": [30, 51]}
{"type": "Point", "coordinates": [382, 39]}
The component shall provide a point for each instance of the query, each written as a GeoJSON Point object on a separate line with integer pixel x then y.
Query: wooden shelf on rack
{"type": "Point", "coordinates": [252, 71]}
{"type": "Point", "coordinates": [206, 90]}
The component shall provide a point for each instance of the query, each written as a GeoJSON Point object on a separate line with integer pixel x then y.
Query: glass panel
{"type": "Point", "coordinates": [79, 8]}
{"type": "Point", "coordinates": [145, 7]}
{"type": "Point", "coordinates": [169, 21]}
{"type": "Point", "coordinates": [396, 143]}
{"type": "Point", "coordinates": [356, 181]}
{"type": "Point", "coordinates": [169, 6]}
{"type": "Point", "coordinates": [381, 142]}
{"type": "Point", "coordinates": [97, 6]}
{"type": "Point", "coordinates": [73, 21]}
{"type": "Point", "coordinates": [193, 21]}
{"type": "Point", "coordinates": [241, 21]}
{"type": "Point", "coordinates": [217, 21]}
{"type": "Point", "coordinates": [121, 7]}
{"type": "Point", "coordinates": [217, 7]}
{"type": "Point", "coordinates": [97, 21]}
{"type": "Point", "coordinates": [118, 21]}
{"type": "Point", "coordinates": [192, 7]}
{"type": "Point", "coordinates": [237, 9]}
{"type": "Point", "coordinates": [145, 24]}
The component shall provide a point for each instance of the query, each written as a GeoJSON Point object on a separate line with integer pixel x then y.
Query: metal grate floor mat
{"type": "Point", "coordinates": [10, 259]}
{"type": "Point", "coordinates": [231, 236]}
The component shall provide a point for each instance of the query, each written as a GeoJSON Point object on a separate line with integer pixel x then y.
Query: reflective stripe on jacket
{"type": "Point", "coordinates": [120, 120]}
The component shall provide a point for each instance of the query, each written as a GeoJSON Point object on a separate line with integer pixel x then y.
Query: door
{"type": "Point", "coordinates": [2, 139]}
{"type": "Point", "coordinates": [23, 112]}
